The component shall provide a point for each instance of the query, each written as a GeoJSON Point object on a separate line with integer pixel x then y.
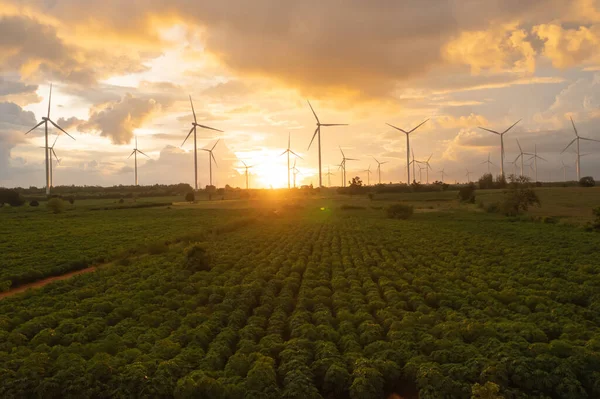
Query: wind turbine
{"type": "Point", "coordinates": [295, 171]}
{"type": "Point", "coordinates": [408, 148]}
{"type": "Point", "coordinates": [368, 175]}
{"type": "Point", "coordinates": [251, 166]}
{"type": "Point", "coordinates": [535, 157]}
{"type": "Point", "coordinates": [288, 152]}
{"type": "Point", "coordinates": [501, 143]}
{"type": "Point", "coordinates": [45, 120]}
{"type": "Point", "coordinates": [514, 164]}
{"type": "Point", "coordinates": [421, 168]}
{"type": "Point", "coordinates": [489, 163]}
{"type": "Point", "coordinates": [52, 152]}
{"type": "Point", "coordinates": [379, 168]}
{"type": "Point", "coordinates": [195, 124]}
{"type": "Point", "coordinates": [344, 159]}
{"type": "Point", "coordinates": [329, 174]}
{"type": "Point", "coordinates": [468, 175]}
{"type": "Point", "coordinates": [134, 153]}
{"type": "Point", "coordinates": [211, 157]}
{"type": "Point", "coordinates": [318, 133]}
{"type": "Point", "coordinates": [428, 167]}
{"type": "Point", "coordinates": [443, 173]}
{"type": "Point", "coordinates": [564, 168]}
{"type": "Point", "coordinates": [577, 138]}
{"type": "Point", "coordinates": [521, 155]}
{"type": "Point", "coordinates": [341, 168]}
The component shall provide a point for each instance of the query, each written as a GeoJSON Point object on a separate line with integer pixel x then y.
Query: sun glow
{"type": "Point", "coordinates": [269, 169]}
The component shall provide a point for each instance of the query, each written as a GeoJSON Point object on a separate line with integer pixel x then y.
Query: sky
{"type": "Point", "coordinates": [126, 69]}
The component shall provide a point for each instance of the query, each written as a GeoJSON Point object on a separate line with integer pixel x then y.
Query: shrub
{"type": "Point", "coordinates": [121, 201]}
{"type": "Point", "coordinates": [10, 197]}
{"type": "Point", "coordinates": [587, 181]}
{"type": "Point", "coordinates": [34, 203]}
{"type": "Point", "coordinates": [71, 200]}
{"type": "Point", "coordinates": [400, 211]}
{"type": "Point", "coordinates": [595, 225]}
{"type": "Point", "coordinates": [467, 193]}
{"type": "Point", "coordinates": [486, 181]}
{"type": "Point", "coordinates": [56, 205]}
{"type": "Point", "coordinates": [519, 197]}
{"type": "Point", "coordinates": [197, 257]}
{"type": "Point", "coordinates": [190, 197]}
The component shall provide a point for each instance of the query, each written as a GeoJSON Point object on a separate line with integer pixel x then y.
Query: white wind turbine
{"type": "Point", "coordinates": [45, 120]}
{"type": "Point", "coordinates": [379, 168]}
{"type": "Point", "coordinates": [408, 151]}
{"type": "Point", "coordinates": [248, 167]}
{"type": "Point", "coordinates": [489, 164]}
{"type": "Point", "coordinates": [522, 156]}
{"type": "Point", "coordinates": [368, 175]}
{"type": "Point", "coordinates": [564, 169]}
{"type": "Point", "coordinates": [501, 143]}
{"type": "Point", "coordinates": [421, 168]}
{"type": "Point", "coordinates": [318, 133]}
{"type": "Point", "coordinates": [329, 174]}
{"type": "Point", "coordinates": [295, 171]}
{"type": "Point", "coordinates": [443, 173]}
{"type": "Point", "coordinates": [577, 138]}
{"type": "Point", "coordinates": [52, 152]}
{"type": "Point", "coordinates": [193, 129]}
{"type": "Point", "coordinates": [211, 157]}
{"type": "Point", "coordinates": [468, 174]}
{"type": "Point", "coordinates": [288, 151]}
{"type": "Point", "coordinates": [535, 157]}
{"type": "Point", "coordinates": [134, 153]}
{"type": "Point", "coordinates": [344, 159]}
{"type": "Point", "coordinates": [428, 166]}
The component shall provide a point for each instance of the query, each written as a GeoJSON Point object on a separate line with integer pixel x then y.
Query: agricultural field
{"type": "Point", "coordinates": [315, 300]}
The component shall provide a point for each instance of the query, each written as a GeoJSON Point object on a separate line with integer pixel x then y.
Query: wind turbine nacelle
{"type": "Point", "coordinates": [44, 118]}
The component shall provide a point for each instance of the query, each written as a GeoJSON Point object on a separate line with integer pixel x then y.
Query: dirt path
{"type": "Point", "coordinates": [46, 281]}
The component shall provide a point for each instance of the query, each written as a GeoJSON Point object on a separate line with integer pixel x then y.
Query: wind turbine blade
{"type": "Point", "coordinates": [567, 147]}
{"type": "Point", "coordinates": [574, 128]}
{"type": "Point", "coordinates": [55, 140]}
{"type": "Point", "coordinates": [314, 113]}
{"type": "Point", "coordinates": [488, 130]}
{"type": "Point", "coordinates": [132, 152]}
{"type": "Point", "coordinates": [49, 101]}
{"type": "Point", "coordinates": [334, 124]}
{"type": "Point", "coordinates": [283, 152]}
{"type": "Point", "coordinates": [583, 138]}
{"type": "Point", "coordinates": [397, 128]}
{"type": "Point", "coordinates": [381, 163]}
{"type": "Point", "coordinates": [61, 129]}
{"type": "Point", "coordinates": [343, 155]}
{"type": "Point", "coordinates": [484, 162]}
{"type": "Point", "coordinates": [313, 137]}
{"type": "Point", "coordinates": [518, 156]}
{"type": "Point", "coordinates": [204, 149]}
{"type": "Point", "coordinates": [35, 127]}
{"type": "Point", "coordinates": [418, 126]}
{"type": "Point", "coordinates": [246, 166]}
{"type": "Point", "coordinates": [296, 154]}
{"type": "Point", "coordinates": [53, 152]}
{"type": "Point", "coordinates": [186, 137]}
{"type": "Point", "coordinates": [193, 111]}
{"type": "Point", "coordinates": [143, 153]}
{"type": "Point", "coordinates": [513, 125]}
{"type": "Point", "coordinates": [213, 147]}
{"type": "Point", "coordinates": [214, 159]}
{"type": "Point", "coordinates": [289, 141]}
{"type": "Point", "coordinates": [375, 159]}
{"type": "Point", "coordinates": [519, 144]}
{"type": "Point", "coordinates": [352, 159]}
{"type": "Point", "coordinates": [208, 127]}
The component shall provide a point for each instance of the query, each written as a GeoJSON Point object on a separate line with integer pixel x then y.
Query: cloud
{"type": "Point", "coordinates": [569, 47]}
{"type": "Point", "coordinates": [69, 123]}
{"type": "Point", "coordinates": [117, 120]}
{"type": "Point", "coordinates": [451, 122]}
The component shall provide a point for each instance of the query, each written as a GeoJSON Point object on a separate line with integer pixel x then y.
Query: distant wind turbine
{"type": "Point", "coordinates": [379, 168]}
{"type": "Point", "coordinates": [134, 153]}
{"type": "Point", "coordinates": [195, 124]}
{"type": "Point", "coordinates": [468, 174]}
{"type": "Point", "coordinates": [408, 148]}
{"type": "Point", "coordinates": [295, 171]}
{"type": "Point", "coordinates": [329, 174]}
{"type": "Point", "coordinates": [251, 166]}
{"type": "Point", "coordinates": [535, 157]}
{"type": "Point", "coordinates": [211, 157]}
{"type": "Point", "coordinates": [45, 120]}
{"type": "Point", "coordinates": [288, 151]}
{"type": "Point", "coordinates": [318, 133]}
{"type": "Point", "coordinates": [564, 168]}
{"type": "Point", "coordinates": [344, 159]}
{"type": "Point", "coordinates": [52, 152]}
{"type": "Point", "coordinates": [522, 156]}
{"type": "Point", "coordinates": [577, 138]}
{"type": "Point", "coordinates": [368, 170]}
{"type": "Point", "coordinates": [501, 143]}
{"type": "Point", "coordinates": [443, 174]}
{"type": "Point", "coordinates": [428, 166]}
{"type": "Point", "coordinates": [489, 163]}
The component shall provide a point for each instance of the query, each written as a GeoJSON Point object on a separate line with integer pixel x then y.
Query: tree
{"type": "Point", "coordinates": [486, 181]}
{"type": "Point", "coordinates": [190, 197]}
{"type": "Point", "coordinates": [56, 205]}
{"type": "Point", "coordinates": [355, 185]}
{"type": "Point", "coordinates": [467, 193]}
{"type": "Point", "coordinates": [519, 197]}
{"type": "Point", "coordinates": [10, 197]}
{"type": "Point", "coordinates": [587, 181]}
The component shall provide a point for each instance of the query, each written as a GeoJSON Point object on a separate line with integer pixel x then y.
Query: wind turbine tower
{"type": "Point", "coordinates": [368, 175]}
{"type": "Point", "coordinates": [521, 155]}
{"type": "Point", "coordinates": [134, 153]}
{"type": "Point", "coordinates": [501, 143]}
{"type": "Point", "coordinates": [329, 174]}
{"type": "Point", "coordinates": [489, 164]}
{"type": "Point", "coordinates": [45, 120]}
{"type": "Point", "coordinates": [535, 157]}
{"type": "Point", "coordinates": [248, 167]}
{"type": "Point", "coordinates": [408, 152]}
{"type": "Point", "coordinates": [379, 168]}
{"type": "Point", "coordinates": [577, 138]}
{"type": "Point", "coordinates": [288, 152]}
{"type": "Point", "coordinates": [52, 152]}
{"type": "Point", "coordinates": [211, 158]}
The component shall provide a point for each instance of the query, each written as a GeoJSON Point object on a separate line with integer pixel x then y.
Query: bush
{"type": "Point", "coordinates": [197, 257]}
{"type": "Point", "coordinates": [121, 201]}
{"type": "Point", "coordinates": [467, 193]}
{"type": "Point", "coordinates": [587, 181]}
{"type": "Point", "coordinates": [519, 197]}
{"type": "Point", "coordinates": [34, 203]}
{"type": "Point", "coordinates": [595, 225]}
{"type": "Point", "coordinates": [190, 197]}
{"type": "Point", "coordinates": [400, 211]}
{"type": "Point", "coordinates": [56, 205]}
{"type": "Point", "coordinates": [10, 197]}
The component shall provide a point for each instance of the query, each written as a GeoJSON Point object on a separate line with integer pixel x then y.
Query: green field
{"type": "Point", "coordinates": [302, 299]}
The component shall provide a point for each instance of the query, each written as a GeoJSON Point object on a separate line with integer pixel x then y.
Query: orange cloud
{"type": "Point", "coordinates": [569, 47]}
